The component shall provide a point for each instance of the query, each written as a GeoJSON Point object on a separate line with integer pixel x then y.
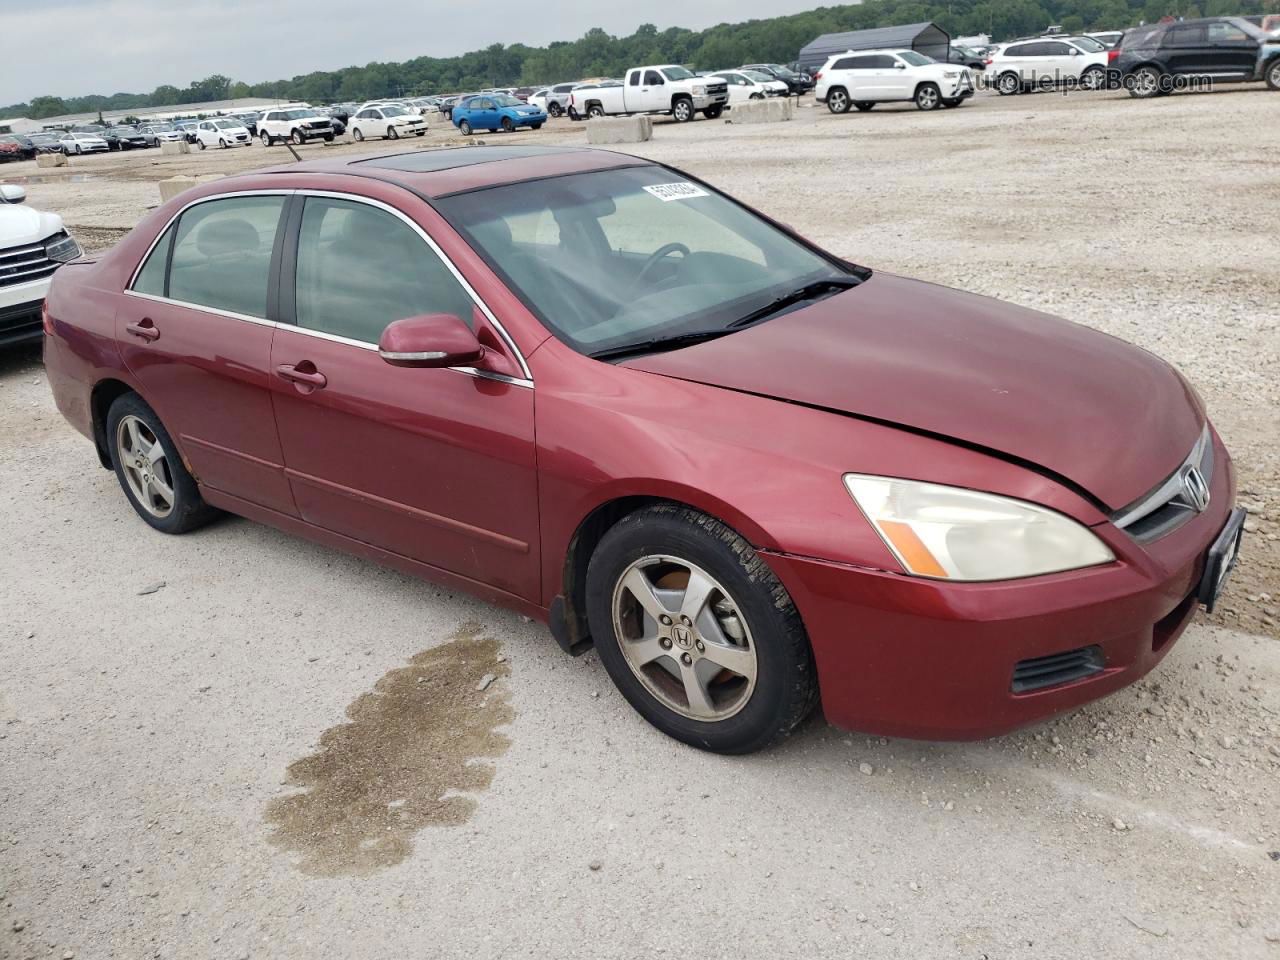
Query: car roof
{"type": "Point", "coordinates": [447, 170]}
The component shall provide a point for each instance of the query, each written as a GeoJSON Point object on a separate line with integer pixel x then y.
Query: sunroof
{"type": "Point", "coordinates": [448, 158]}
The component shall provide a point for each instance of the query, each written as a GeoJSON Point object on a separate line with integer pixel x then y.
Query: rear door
{"type": "Point", "coordinates": [432, 464]}
{"type": "Point", "coordinates": [195, 332]}
{"type": "Point", "coordinates": [1184, 49]}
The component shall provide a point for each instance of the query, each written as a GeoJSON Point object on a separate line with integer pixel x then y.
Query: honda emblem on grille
{"type": "Point", "coordinates": [1195, 489]}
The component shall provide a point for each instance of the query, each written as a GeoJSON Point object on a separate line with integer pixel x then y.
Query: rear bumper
{"type": "Point", "coordinates": [907, 657]}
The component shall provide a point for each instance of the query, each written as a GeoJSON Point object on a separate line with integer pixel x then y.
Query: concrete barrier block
{"type": "Point", "coordinates": [170, 149]}
{"type": "Point", "coordinates": [620, 129]}
{"type": "Point", "coordinates": [175, 185]}
{"type": "Point", "coordinates": [772, 110]}
{"type": "Point", "coordinates": [51, 160]}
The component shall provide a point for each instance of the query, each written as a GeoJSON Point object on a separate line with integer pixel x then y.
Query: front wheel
{"type": "Point", "coordinates": [267, 139]}
{"type": "Point", "coordinates": [713, 113]}
{"type": "Point", "coordinates": [682, 110]}
{"type": "Point", "coordinates": [200, 144]}
{"type": "Point", "coordinates": [697, 632]}
{"type": "Point", "coordinates": [928, 97]}
{"type": "Point", "coordinates": [1273, 74]}
{"type": "Point", "coordinates": [357, 135]}
{"type": "Point", "coordinates": [297, 138]}
{"type": "Point", "coordinates": [535, 126]}
{"type": "Point", "coordinates": [222, 144]}
{"type": "Point", "coordinates": [464, 128]}
{"type": "Point", "coordinates": [555, 110]}
{"type": "Point", "coordinates": [838, 100]}
{"type": "Point", "coordinates": [507, 125]}
{"type": "Point", "coordinates": [150, 469]}
{"type": "Point", "coordinates": [864, 105]}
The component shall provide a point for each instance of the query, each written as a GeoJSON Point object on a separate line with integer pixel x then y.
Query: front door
{"type": "Point", "coordinates": [432, 464]}
{"type": "Point", "coordinates": [193, 332]}
{"type": "Point", "coordinates": [653, 92]}
{"type": "Point", "coordinates": [1230, 50]}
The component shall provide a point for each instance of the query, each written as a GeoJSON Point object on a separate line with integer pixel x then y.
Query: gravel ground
{"type": "Point", "coordinates": [237, 744]}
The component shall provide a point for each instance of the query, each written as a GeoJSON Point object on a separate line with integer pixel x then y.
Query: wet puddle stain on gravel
{"type": "Point", "coordinates": [398, 766]}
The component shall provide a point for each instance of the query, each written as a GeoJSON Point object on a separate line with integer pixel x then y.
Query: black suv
{"type": "Point", "coordinates": [1162, 57]}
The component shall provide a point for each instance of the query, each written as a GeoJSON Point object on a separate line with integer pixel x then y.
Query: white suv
{"type": "Point", "coordinates": [868, 77]}
{"type": "Point", "coordinates": [32, 246]}
{"type": "Point", "coordinates": [1049, 62]}
{"type": "Point", "coordinates": [298, 124]}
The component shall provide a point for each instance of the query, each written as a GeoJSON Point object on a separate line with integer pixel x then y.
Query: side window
{"type": "Point", "coordinates": [151, 276]}
{"type": "Point", "coordinates": [222, 254]}
{"type": "Point", "coordinates": [634, 78]}
{"type": "Point", "coordinates": [1226, 33]}
{"type": "Point", "coordinates": [1056, 49]}
{"type": "Point", "coordinates": [882, 62]}
{"type": "Point", "coordinates": [1018, 50]}
{"type": "Point", "coordinates": [845, 63]}
{"type": "Point", "coordinates": [1184, 36]}
{"type": "Point", "coordinates": [360, 269]}
{"type": "Point", "coordinates": [652, 79]}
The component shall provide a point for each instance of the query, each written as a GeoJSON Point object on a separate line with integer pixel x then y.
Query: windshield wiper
{"type": "Point", "coordinates": [809, 291]}
{"type": "Point", "coordinates": [658, 344]}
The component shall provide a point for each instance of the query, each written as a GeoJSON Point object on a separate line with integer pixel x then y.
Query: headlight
{"type": "Point", "coordinates": [699, 91]}
{"type": "Point", "coordinates": [955, 534]}
{"type": "Point", "coordinates": [63, 248]}
{"type": "Point", "coordinates": [951, 74]}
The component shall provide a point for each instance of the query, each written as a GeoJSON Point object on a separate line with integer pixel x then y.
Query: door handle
{"type": "Point", "coordinates": [145, 329]}
{"type": "Point", "coordinates": [311, 378]}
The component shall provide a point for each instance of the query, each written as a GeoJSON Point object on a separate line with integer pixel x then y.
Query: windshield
{"type": "Point", "coordinates": [226, 124]}
{"type": "Point", "coordinates": [781, 70]}
{"type": "Point", "coordinates": [503, 100]}
{"type": "Point", "coordinates": [678, 258]}
{"type": "Point", "coordinates": [915, 59]}
{"type": "Point", "coordinates": [297, 114]}
{"type": "Point", "coordinates": [394, 111]}
{"type": "Point", "coordinates": [1089, 45]}
{"type": "Point", "coordinates": [757, 76]}
{"type": "Point", "coordinates": [677, 73]}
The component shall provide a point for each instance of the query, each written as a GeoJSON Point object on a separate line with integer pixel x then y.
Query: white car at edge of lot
{"type": "Point", "coordinates": [1048, 62]}
{"type": "Point", "coordinates": [298, 124]}
{"type": "Point", "coordinates": [389, 121]}
{"type": "Point", "coordinates": [80, 142]}
{"type": "Point", "coordinates": [222, 133]}
{"type": "Point", "coordinates": [750, 85]}
{"type": "Point", "coordinates": [866, 77]}
{"type": "Point", "coordinates": [33, 244]}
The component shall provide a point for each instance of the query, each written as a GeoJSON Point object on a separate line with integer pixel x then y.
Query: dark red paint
{"type": "Point", "coordinates": [483, 484]}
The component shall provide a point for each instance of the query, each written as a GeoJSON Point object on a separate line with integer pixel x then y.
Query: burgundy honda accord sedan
{"type": "Point", "coordinates": [603, 393]}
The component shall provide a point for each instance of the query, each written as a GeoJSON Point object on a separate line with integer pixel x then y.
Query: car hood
{"type": "Point", "coordinates": [21, 225]}
{"type": "Point", "coordinates": [1106, 416]}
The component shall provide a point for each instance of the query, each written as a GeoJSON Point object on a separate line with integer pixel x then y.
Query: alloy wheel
{"type": "Point", "coordinates": [837, 101]}
{"type": "Point", "coordinates": [684, 638]}
{"type": "Point", "coordinates": [145, 466]}
{"type": "Point", "coordinates": [927, 98]}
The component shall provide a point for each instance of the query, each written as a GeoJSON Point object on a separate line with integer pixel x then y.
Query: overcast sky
{"type": "Point", "coordinates": [78, 47]}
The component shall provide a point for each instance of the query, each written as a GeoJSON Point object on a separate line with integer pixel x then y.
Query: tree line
{"type": "Point", "coordinates": [598, 54]}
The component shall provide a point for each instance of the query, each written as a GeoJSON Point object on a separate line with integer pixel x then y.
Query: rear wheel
{"type": "Point", "coordinates": [555, 110]}
{"type": "Point", "coordinates": [928, 97]}
{"type": "Point", "coordinates": [1145, 82]}
{"type": "Point", "coordinates": [838, 100]}
{"type": "Point", "coordinates": [151, 471]}
{"type": "Point", "coordinates": [697, 632]}
{"type": "Point", "coordinates": [682, 110]}
{"type": "Point", "coordinates": [595, 110]}
{"type": "Point", "coordinates": [1009, 83]}
{"type": "Point", "coordinates": [535, 126]}
{"type": "Point", "coordinates": [1095, 78]}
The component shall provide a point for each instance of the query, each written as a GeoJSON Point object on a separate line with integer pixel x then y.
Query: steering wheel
{"type": "Point", "coordinates": [655, 258]}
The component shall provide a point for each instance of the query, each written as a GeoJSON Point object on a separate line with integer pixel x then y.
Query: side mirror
{"type": "Point", "coordinates": [12, 193]}
{"type": "Point", "coordinates": [1076, 53]}
{"type": "Point", "coordinates": [431, 340]}
{"type": "Point", "coordinates": [900, 66]}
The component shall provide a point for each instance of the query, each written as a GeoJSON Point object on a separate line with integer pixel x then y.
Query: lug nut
{"type": "Point", "coordinates": [686, 659]}
{"type": "Point", "coordinates": [700, 646]}
{"type": "Point", "coordinates": [665, 643]}
{"type": "Point", "coordinates": [665, 620]}
{"type": "Point", "coordinates": [686, 621]}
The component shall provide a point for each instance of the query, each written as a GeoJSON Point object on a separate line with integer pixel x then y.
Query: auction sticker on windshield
{"type": "Point", "coordinates": [676, 191]}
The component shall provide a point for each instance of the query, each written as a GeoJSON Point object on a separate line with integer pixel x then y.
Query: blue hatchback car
{"type": "Point", "coordinates": [495, 111]}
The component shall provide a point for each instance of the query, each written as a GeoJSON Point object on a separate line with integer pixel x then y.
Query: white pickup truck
{"type": "Point", "coordinates": [669, 89]}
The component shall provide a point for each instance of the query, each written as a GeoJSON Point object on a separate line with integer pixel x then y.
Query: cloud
{"type": "Point", "coordinates": [78, 47]}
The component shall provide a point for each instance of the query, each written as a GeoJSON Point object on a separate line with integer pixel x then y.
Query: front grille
{"type": "Point", "coordinates": [1172, 503]}
{"type": "Point", "coordinates": [717, 88]}
{"type": "Point", "coordinates": [1040, 673]}
{"type": "Point", "coordinates": [24, 264]}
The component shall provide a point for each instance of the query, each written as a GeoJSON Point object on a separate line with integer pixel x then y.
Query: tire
{"type": "Point", "coordinates": [574, 115]}
{"type": "Point", "coordinates": [682, 110]}
{"type": "Point", "coordinates": [1146, 82]}
{"type": "Point", "coordinates": [928, 97]}
{"type": "Point", "coordinates": [328, 138]}
{"type": "Point", "coordinates": [267, 139]}
{"type": "Point", "coordinates": [749, 612]}
{"type": "Point", "coordinates": [555, 110]}
{"type": "Point", "coordinates": [393, 133]}
{"type": "Point", "coordinates": [1007, 84]}
{"type": "Point", "coordinates": [864, 105]}
{"type": "Point", "coordinates": [713, 113]}
{"type": "Point", "coordinates": [421, 133]}
{"type": "Point", "coordinates": [357, 135]}
{"type": "Point", "coordinates": [1272, 72]}
{"type": "Point", "coordinates": [297, 138]}
{"type": "Point", "coordinates": [1095, 78]}
{"type": "Point", "coordinates": [838, 100]}
{"type": "Point", "coordinates": [464, 128]}
{"type": "Point", "coordinates": [129, 418]}
{"type": "Point", "coordinates": [594, 111]}
{"type": "Point", "coordinates": [949, 103]}
{"type": "Point", "coordinates": [756, 96]}
{"type": "Point", "coordinates": [507, 125]}
{"type": "Point", "coordinates": [222, 144]}
{"type": "Point", "coordinates": [200, 144]}
{"type": "Point", "coordinates": [532, 126]}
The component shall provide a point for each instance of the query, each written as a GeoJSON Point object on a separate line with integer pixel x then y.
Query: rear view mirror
{"type": "Point", "coordinates": [12, 193]}
{"type": "Point", "coordinates": [431, 340]}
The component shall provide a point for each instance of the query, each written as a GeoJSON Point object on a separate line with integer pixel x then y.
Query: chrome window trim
{"type": "Point", "coordinates": [1169, 489]}
{"type": "Point", "coordinates": [525, 381]}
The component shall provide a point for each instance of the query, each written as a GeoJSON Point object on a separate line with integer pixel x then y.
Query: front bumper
{"type": "Point", "coordinates": [902, 656]}
{"type": "Point", "coordinates": [710, 100]}
{"type": "Point", "coordinates": [20, 304]}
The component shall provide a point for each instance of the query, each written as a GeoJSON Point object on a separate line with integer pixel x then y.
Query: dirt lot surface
{"type": "Point", "coordinates": [238, 744]}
